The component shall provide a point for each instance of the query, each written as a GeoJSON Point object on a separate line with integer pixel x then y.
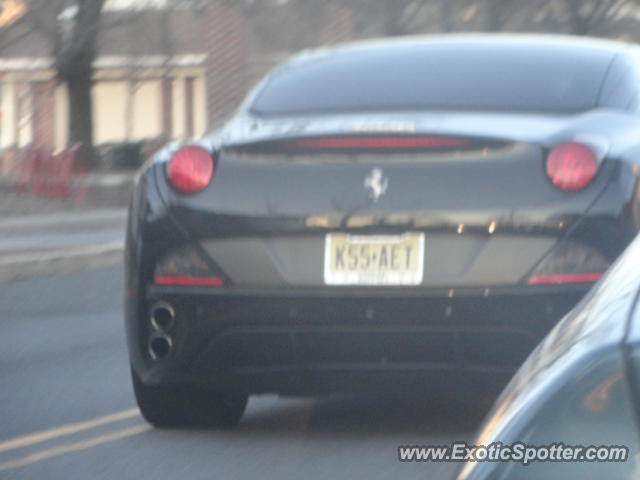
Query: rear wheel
{"type": "Point", "coordinates": [188, 406]}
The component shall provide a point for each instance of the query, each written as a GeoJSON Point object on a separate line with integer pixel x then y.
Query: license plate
{"type": "Point", "coordinates": [374, 259]}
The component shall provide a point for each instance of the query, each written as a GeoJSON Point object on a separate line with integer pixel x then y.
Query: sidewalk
{"type": "Point", "coordinates": [46, 236]}
{"type": "Point", "coordinates": [104, 190]}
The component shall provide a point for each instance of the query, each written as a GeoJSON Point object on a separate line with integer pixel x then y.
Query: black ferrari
{"type": "Point", "coordinates": [410, 213]}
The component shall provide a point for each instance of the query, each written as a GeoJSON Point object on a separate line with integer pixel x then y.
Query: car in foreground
{"type": "Point", "coordinates": [416, 212]}
{"type": "Point", "coordinates": [580, 387]}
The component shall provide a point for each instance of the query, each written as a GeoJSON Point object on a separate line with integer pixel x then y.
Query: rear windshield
{"type": "Point", "coordinates": [537, 78]}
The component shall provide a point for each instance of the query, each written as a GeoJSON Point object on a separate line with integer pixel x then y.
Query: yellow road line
{"type": "Point", "coordinates": [73, 447]}
{"type": "Point", "coordinates": [68, 429]}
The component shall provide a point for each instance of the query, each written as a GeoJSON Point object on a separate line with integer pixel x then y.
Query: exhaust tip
{"type": "Point", "coordinates": [160, 347]}
{"type": "Point", "coordinates": [163, 316]}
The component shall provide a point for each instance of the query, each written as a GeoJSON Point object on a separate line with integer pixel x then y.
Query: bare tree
{"type": "Point", "coordinates": [447, 10]}
{"type": "Point", "coordinates": [498, 12]}
{"type": "Point", "coordinates": [75, 54]}
{"type": "Point", "coordinates": [405, 17]}
{"type": "Point", "coordinates": [587, 16]}
{"type": "Point", "coordinates": [396, 17]}
{"type": "Point", "coordinates": [578, 17]}
{"type": "Point", "coordinates": [71, 30]}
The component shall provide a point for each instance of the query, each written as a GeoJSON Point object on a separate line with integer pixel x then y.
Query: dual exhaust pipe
{"type": "Point", "coordinates": [162, 317]}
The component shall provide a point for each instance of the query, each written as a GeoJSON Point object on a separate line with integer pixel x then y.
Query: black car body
{"type": "Point", "coordinates": [421, 211]}
{"type": "Point", "coordinates": [580, 387]}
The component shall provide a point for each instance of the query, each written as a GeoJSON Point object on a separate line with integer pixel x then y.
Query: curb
{"type": "Point", "coordinates": [66, 221]}
{"type": "Point", "coordinates": [92, 257]}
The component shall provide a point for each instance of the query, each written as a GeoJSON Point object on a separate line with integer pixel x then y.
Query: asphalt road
{"type": "Point", "coordinates": [67, 410]}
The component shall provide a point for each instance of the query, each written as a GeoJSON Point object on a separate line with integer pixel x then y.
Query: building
{"type": "Point", "coordinates": [140, 92]}
{"type": "Point", "coordinates": [160, 73]}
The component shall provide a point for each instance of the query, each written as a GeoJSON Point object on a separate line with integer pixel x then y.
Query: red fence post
{"type": "Point", "coordinates": [61, 176]}
{"type": "Point", "coordinates": [26, 170]}
{"type": "Point", "coordinates": [52, 174]}
{"type": "Point", "coordinates": [37, 184]}
{"type": "Point", "coordinates": [79, 168]}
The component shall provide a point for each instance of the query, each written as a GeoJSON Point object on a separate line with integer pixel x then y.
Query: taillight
{"type": "Point", "coordinates": [570, 262]}
{"type": "Point", "coordinates": [185, 266]}
{"type": "Point", "coordinates": [186, 280]}
{"type": "Point", "coordinates": [571, 166]}
{"type": "Point", "coordinates": [190, 169]}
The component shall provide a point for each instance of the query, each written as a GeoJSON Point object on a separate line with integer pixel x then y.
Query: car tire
{"type": "Point", "coordinates": [184, 406]}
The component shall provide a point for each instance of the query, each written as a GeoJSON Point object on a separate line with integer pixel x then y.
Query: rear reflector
{"type": "Point", "coordinates": [190, 169]}
{"type": "Point", "coordinates": [188, 281]}
{"type": "Point", "coordinates": [571, 166]}
{"type": "Point", "coordinates": [570, 262]}
{"type": "Point", "coordinates": [386, 142]}
{"type": "Point", "coordinates": [186, 266]}
{"type": "Point", "coordinates": [566, 278]}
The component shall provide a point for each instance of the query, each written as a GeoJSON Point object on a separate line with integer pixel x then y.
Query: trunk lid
{"type": "Point", "coordinates": [487, 209]}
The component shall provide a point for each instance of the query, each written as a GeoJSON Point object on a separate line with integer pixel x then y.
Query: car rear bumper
{"type": "Point", "coordinates": [323, 341]}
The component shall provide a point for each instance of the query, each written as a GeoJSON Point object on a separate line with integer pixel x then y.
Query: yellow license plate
{"type": "Point", "coordinates": [374, 259]}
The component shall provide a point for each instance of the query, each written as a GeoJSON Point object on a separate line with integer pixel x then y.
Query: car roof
{"type": "Point", "coordinates": [592, 57]}
{"type": "Point", "coordinates": [563, 46]}
{"type": "Point", "coordinates": [488, 41]}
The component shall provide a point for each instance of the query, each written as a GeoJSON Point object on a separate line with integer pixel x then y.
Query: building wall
{"type": "Point", "coordinates": [9, 114]}
{"type": "Point", "coordinates": [43, 112]}
{"type": "Point", "coordinates": [61, 124]}
{"type": "Point", "coordinates": [24, 120]}
{"type": "Point", "coordinates": [34, 109]}
{"type": "Point", "coordinates": [147, 112]}
{"type": "Point", "coordinates": [200, 106]}
{"type": "Point", "coordinates": [109, 107]}
{"type": "Point", "coordinates": [178, 110]}
{"type": "Point", "coordinates": [114, 102]}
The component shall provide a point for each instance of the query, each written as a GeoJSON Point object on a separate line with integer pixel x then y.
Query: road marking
{"type": "Point", "coordinates": [74, 447]}
{"type": "Point", "coordinates": [65, 430]}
